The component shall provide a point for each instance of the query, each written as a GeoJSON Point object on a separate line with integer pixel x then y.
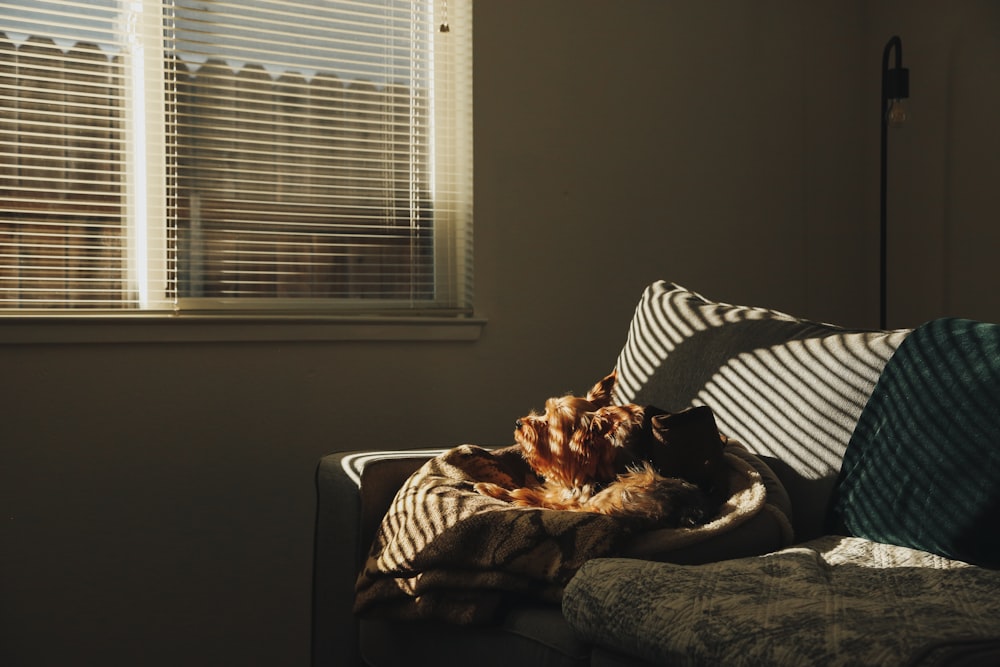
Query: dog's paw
{"type": "Point", "coordinates": [492, 490]}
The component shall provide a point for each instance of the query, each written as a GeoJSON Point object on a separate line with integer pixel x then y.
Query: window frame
{"type": "Point", "coordinates": [281, 319]}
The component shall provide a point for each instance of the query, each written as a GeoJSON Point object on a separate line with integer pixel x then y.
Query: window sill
{"type": "Point", "coordinates": [194, 328]}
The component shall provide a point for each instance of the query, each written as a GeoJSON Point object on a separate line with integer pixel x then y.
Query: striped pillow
{"type": "Point", "coordinates": [787, 388]}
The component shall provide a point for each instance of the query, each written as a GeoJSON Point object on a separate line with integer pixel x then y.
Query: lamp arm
{"type": "Point", "coordinates": [894, 43]}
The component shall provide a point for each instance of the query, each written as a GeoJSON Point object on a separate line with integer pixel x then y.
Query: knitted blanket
{"type": "Point", "coordinates": [445, 551]}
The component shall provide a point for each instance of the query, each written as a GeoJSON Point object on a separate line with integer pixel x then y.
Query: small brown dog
{"type": "Point", "coordinates": [597, 457]}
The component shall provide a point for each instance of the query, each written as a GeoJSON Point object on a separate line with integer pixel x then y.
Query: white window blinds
{"type": "Point", "coordinates": [242, 155]}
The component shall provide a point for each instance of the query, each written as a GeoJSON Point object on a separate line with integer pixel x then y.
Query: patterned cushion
{"type": "Point", "coordinates": [787, 388]}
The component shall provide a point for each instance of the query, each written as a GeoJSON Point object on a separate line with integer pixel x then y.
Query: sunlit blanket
{"type": "Point", "coordinates": [444, 551]}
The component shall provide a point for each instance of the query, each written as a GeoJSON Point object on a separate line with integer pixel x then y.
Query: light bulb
{"type": "Point", "coordinates": [895, 115]}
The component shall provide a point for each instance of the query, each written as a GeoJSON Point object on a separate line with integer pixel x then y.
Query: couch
{"type": "Point", "coordinates": [875, 539]}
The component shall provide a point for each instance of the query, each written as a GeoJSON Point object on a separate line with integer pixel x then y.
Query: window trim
{"type": "Point", "coordinates": [168, 327]}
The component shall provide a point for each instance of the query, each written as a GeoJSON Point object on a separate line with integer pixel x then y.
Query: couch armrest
{"type": "Point", "coordinates": [353, 492]}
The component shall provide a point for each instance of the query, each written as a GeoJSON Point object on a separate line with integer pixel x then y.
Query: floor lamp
{"type": "Point", "coordinates": [895, 88]}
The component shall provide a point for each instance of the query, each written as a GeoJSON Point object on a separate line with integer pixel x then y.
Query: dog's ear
{"type": "Point", "coordinates": [615, 424]}
{"type": "Point", "coordinates": [600, 393]}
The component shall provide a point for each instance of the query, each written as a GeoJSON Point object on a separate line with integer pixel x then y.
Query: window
{"type": "Point", "coordinates": [235, 156]}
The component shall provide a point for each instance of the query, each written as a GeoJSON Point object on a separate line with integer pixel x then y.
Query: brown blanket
{"type": "Point", "coordinates": [444, 551]}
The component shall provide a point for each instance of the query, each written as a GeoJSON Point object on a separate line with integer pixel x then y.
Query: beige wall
{"type": "Point", "coordinates": [944, 203]}
{"type": "Point", "coordinates": [157, 498]}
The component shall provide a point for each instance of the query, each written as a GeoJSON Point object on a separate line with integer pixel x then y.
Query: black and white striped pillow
{"type": "Point", "coordinates": [785, 387]}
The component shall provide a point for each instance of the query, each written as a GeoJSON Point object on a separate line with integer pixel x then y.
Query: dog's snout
{"type": "Point", "coordinates": [518, 424]}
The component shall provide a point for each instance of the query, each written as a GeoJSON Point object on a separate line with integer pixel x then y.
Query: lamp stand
{"type": "Point", "coordinates": [895, 87]}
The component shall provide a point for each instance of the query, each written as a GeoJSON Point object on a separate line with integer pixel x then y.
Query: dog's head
{"type": "Point", "coordinates": [576, 440]}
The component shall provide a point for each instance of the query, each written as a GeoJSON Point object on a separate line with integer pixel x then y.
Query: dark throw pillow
{"type": "Point", "coordinates": [922, 469]}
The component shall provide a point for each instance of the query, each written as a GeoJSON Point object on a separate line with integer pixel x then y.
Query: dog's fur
{"type": "Point", "coordinates": [583, 450]}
